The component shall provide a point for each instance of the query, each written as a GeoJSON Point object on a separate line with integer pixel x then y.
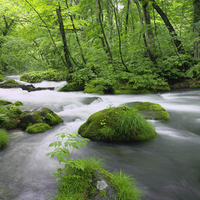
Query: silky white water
{"type": "Point", "coordinates": [167, 167]}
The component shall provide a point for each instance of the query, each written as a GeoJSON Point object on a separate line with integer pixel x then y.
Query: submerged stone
{"type": "Point", "coordinates": [150, 110]}
{"type": "Point", "coordinates": [117, 124]}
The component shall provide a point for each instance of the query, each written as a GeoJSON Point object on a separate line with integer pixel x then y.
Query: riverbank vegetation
{"type": "Point", "coordinates": [119, 46]}
{"type": "Point", "coordinates": [78, 179]}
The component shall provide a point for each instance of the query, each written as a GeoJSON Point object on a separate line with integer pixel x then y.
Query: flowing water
{"type": "Point", "coordinates": [166, 168]}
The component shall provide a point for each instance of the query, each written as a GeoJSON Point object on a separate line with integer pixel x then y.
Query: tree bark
{"type": "Point", "coordinates": [196, 4]}
{"type": "Point", "coordinates": [120, 42]}
{"type": "Point", "coordinates": [127, 16]}
{"type": "Point", "coordinates": [169, 26]}
{"type": "Point", "coordinates": [103, 32]}
{"type": "Point", "coordinates": [150, 55]}
{"type": "Point", "coordinates": [77, 39]}
{"type": "Point", "coordinates": [62, 31]}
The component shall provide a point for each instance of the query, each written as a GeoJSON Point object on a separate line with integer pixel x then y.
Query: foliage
{"type": "Point", "coordinates": [77, 176]}
{"type": "Point", "coordinates": [3, 138]}
{"type": "Point", "coordinates": [126, 186]}
{"type": "Point", "coordinates": [38, 76]}
{"type": "Point", "coordinates": [123, 54]}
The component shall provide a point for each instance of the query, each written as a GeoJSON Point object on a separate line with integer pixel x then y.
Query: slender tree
{"type": "Point", "coordinates": [196, 4]}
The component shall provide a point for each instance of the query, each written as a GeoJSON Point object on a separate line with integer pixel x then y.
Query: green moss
{"type": "Point", "coordinates": [9, 123]}
{"type": "Point", "coordinates": [38, 76]}
{"type": "Point", "coordinates": [4, 102]}
{"type": "Point", "coordinates": [18, 103]}
{"type": "Point", "coordinates": [38, 128]}
{"type": "Point", "coordinates": [71, 87]}
{"type": "Point", "coordinates": [50, 117]}
{"type": "Point", "coordinates": [150, 110]}
{"type": "Point", "coordinates": [128, 91]}
{"type": "Point", "coordinates": [43, 115]}
{"type": "Point", "coordinates": [10, 84]}
{"type": "Point", "coordinates": [195, 85]}
{"type": "Point", "coordinates": [3, 138]}
{"type": "Point", "coordinates": [117, 124]}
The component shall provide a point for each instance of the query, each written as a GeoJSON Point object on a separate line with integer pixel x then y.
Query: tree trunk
{"type": "Point", "coordinates": [7, 25]}
{"type": "Point", "coordinates": [103, 32]}
{"type": "Point", "coordinates": [77, 39]}
{"type": "Point", "coordinates": [150, 55]}
{"type": "Point", "coordinates": [119, 36]}
{"type": "Point", "coordinates": [127, 16]}
{"type": "Point", "coordinates": [62, 31]}
{"type": "Point", "coordinates": [169, 26]}
{"type": "Point", "coordinates": [196, 31]}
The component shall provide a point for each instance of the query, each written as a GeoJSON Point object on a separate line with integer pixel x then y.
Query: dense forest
{"type": "Point", "coordinates": [128, 44]}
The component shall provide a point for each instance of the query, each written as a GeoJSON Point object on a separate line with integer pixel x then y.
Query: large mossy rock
{"type": "Point", "coordinates": [10, 84]}
{"type": "Point", "coordinates": [43, 115]}
{"type": "Point", "coordinates": [3, 138]}
{"type": "Point", "coordinates": [117, 124]}
{"type": "Point", "coordinates": [38, 128]}
{"type": "Point", "coordinates": [150, 110]}
{"type": "Point", "coordinates": [71, 87]}
{"type": "Point", "coordinates": [9, 116]}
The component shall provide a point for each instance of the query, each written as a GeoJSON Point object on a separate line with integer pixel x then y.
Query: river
{"type": "Point", "coordinates": [166, 167]}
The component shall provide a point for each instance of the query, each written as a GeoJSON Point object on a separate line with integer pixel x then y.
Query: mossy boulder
{"type": "Point", "coordinates": [9, 116]}
{"type": "Point", "coordinates": [150, 110]}
{"type": "Point", "coordinates": [3, 138]}
{"type": "Point", "coordinates": [117, 124]}
{"type": "Point", "coordinates": [18, 103]}
{"type": "Point", "coordinates": [4, 102]}
{"type": "Point", "coordinates": [71, 87]}
{"type": "Point", "coordinates": [9, 123]}
{"type": "Point", "coordinates": [38, 128]}
{"type": "Point", "coordinates": [43, 115]}
{"type": "Point", "coordinates": [10, 84]}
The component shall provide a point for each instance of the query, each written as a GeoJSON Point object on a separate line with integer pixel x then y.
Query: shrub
{"type": "Point", "coordinates": [38, 76]}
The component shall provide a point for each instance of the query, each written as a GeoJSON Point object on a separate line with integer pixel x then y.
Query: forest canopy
{"type": "Point", "coordinates": [138, 43]}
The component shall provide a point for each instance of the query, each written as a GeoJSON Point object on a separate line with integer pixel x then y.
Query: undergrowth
{"type": "Point", "coordinates": [75, 179]}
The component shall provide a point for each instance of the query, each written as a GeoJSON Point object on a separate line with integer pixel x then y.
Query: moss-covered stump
{"type": "Point", "coordinates": [71, 87]}
{"type": "Point", "coordinates": [10, 84]}
{"type": "Point", "coordinates": [150, 110]}
{"type": "Point", "coordinates": [38, 128]}
{"type": "Point", "coordinates": [3, 138]}
{"type": "Point", "coordinates": [43, 115]}
{"type": "Point", "coordinates": [38, 76]}
{"type": "Point", "coordinates": [117, 124]}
